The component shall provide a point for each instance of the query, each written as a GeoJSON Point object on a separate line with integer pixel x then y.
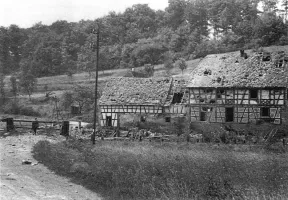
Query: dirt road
{"type": "Point", "coordinates": [33, 181]}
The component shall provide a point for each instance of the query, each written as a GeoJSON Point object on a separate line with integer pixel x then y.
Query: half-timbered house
{"type": "Point", "coordinates": [133, 96]}
{"type": "Point", "coordinates": [143, 96]}
{"type": "Point", "coordinates": [230, 87]}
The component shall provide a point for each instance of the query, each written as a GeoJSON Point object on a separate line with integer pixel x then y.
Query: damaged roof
{"type": "Point", "coordinates": [136, 91]}
{"type": "Point", "coordinates": [178, 86]}
{"type": "Point", "coordinates": [260, 69]}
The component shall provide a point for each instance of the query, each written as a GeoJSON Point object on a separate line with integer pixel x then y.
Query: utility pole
{"type": "Point", "coordinates": [96, 81]}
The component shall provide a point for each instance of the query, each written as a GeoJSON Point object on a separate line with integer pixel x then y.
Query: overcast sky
{"type": "Point", "coordinates": [25, 13]}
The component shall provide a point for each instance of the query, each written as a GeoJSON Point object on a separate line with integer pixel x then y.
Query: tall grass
{"type": "Point", "coordinates": [125, 170]}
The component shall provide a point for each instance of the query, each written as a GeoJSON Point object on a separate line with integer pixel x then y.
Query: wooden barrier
{"type": "Point", "coordinates": [11, 124]}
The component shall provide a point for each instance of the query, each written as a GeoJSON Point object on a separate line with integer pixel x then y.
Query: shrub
{"type": "Point", "coordinates": [16, 109]}
{"type": "Point", "coordinates": [124, 170]}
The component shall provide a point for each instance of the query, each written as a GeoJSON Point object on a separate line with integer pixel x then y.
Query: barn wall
{"type": "Point", "coordinates": [242, 114]}
{"type": "Point", "coordinates": [176, 109]}
{"type": "Point", "coordinates": [237, 96]}
{"type": "Point", "coordinates": [114, 110]}
{"type": "Point", "coordinates": [209, 104]}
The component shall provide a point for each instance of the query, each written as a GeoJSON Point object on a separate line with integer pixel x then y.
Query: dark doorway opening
{"type": "Point", "coordinates": [108, 120]}
{"type": "Point", "coordinates": [229, 113]}
{"type": "Point", "coordinates": [265, 112]}
{"type": "Point", "coordinates": [167, 119]}
{"type": "Point", "coordinates": [202, 116]}
{"type": "Point", "coordinates": [177, 97]}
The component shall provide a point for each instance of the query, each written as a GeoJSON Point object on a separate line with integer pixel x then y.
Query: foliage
{"type": "Point", "coordinates": [2, 91]}
{"type": "Point", "coordinates": [28, 82]}
{"type": "Point", "coordinates": [141, 35]}
{"type": "Point", "coordinates": [149, 69]}
{"type": "Point", "coordinates": [14, 85]}
{"type": "Point", "coordinates": [168, 63]}
{"type": "Point", "coordinates": [13, 107]}
{"type": "Point", "coordinates": [181, 64]}
{"type": "Point", "coordinates": [126, 170]}
{"type": "Point", "coordinates": [81, 96]}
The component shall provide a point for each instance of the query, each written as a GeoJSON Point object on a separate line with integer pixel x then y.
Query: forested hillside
{"type": "Point", "coordinates": [141, 35]}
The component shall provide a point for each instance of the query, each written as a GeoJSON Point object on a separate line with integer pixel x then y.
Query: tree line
{"type": "Point", "coordinates": [186, 29]}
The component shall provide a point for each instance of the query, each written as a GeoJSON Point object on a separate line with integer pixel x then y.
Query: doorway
{"type": "Point", "coordinates": [108, 120]}
{"type": "Point", "coordinates": [229, 114]}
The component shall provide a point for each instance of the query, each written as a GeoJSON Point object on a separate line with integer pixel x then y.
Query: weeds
{"type": "Point", "coordinates": [146, 171]}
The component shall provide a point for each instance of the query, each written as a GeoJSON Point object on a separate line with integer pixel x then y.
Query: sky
{"type": "Point", "coordinates": [26, 13]}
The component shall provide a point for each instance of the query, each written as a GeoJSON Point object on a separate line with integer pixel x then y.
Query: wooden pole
{"type": "Point", "coordinates": [118, 125]}
{"type": "Point", "coordinates": [96, 84]}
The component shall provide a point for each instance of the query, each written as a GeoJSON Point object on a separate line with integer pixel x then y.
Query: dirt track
{"type": "Point", "coordinates": [33, 181]}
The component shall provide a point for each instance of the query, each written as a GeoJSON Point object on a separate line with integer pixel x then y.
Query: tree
{"type": "Point", "coordinates": [149, 69]}
{"type": "Point", "coordinates": [181, 63]}
{"type": "Point", "coordinates": [2, 89]}
{"type": "Point", "coordinates": [168, 63]}
{"type": "Point", "coordinates": [175, 13]}
{"type": "Point", "coordinates": [83, 96]}
{"type": "Point", "coordinates": [14, 86]}
{"type": "Point", "coordinates": [28, 82]}
{"type": "Point", "coordinates": [147, 52]}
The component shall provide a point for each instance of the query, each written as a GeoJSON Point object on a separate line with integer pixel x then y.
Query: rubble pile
{"type": "Point", "coordinates": [132, 91]}
{"type": "Point", "coordinates": [232, 70]}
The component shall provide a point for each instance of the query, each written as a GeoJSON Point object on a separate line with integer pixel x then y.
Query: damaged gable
{"type": "Point", "coordinates": [257, 69]}
{"type": "Point", "coordinates": [178, 93]}
{"type": "Point", "coordinates": [133, 91]}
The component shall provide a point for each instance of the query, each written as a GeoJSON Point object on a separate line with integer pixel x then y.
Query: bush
{"type": "Point", "coordinates": [16, 109]}
{"type": "Point", "coordinates": [124, 170]}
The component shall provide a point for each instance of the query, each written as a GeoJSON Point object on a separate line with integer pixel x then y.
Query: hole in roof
{"type": "Point", "coordinates": [207, 72]}
{"type": "Point", "coordinates": [208, 90]}
{"type": "Point", "coordinates": [177, 97]}
{"type": "Point", "coordinates": [212, 101]}
{"type": "Point", "coordinates": [236, 61]}
{"type": "Point", "coordinates": [266, 57]}
{"type": "Point", "coordinates": [219, 79]}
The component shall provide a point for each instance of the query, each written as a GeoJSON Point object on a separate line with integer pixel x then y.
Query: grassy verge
{"type": "Point", "coordinates": [122, 170]}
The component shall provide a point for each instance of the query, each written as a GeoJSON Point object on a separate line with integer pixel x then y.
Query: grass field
{"type": "Point", "coordinates": [133, 170]}
{"type": "Point", "coordinates": [64, 82]}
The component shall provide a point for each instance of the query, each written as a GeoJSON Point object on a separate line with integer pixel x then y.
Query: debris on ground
{"type": "Point", "coordinates": [26, 162]}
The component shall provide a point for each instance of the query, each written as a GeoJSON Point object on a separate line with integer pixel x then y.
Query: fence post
{"type": "Point", "coordinates": [65, 129]}
{"type": "Point", "coordinates": [9, 124]}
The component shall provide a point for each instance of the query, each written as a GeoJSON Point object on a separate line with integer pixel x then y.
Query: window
{"type": "Point", "coordinates": [253, 94]}
{"type": "Point", "coordinates": [108, 120]}
{"type": "Point", "coordinates": [177, 97]}
{"type": "Point", "coordinates": [167, 119]}
{"type": "Point", "coordinates": [265, 112]}
{"type": "Point", "coordinates": [229, 114]}
{"type": "Point", "coordinates": [204, 113]}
